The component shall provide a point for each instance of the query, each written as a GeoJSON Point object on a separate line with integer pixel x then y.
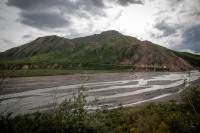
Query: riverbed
{"type": "Point", "coordinates": [30, 94]}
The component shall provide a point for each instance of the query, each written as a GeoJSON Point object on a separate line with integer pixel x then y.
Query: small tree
{"type": "Point", "coordinates": [73, 114]}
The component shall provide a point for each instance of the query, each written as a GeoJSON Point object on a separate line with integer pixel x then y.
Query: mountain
{"type": "Point", "coordinates": [107, 50]}
{"type": "Point", "coordinates": [41, 45]}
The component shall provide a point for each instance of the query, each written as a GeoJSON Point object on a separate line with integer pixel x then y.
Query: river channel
{"type": "Point", "coordinates": [26, 95]}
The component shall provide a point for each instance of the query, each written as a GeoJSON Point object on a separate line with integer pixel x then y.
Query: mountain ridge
{"type": "Point", "coordinates": [108, 48]}
{"type": "Point", "coordinates": [40, 45]}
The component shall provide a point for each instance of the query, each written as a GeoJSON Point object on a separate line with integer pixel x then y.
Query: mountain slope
{"type": "Point", "coordinates": [41, 45]}
{"type": "Point", "coordinates": [112, 47]}
{"type": "Point", "coordinates": [191, 58]}
{"type": "Point", "coordinates": [107, 50]}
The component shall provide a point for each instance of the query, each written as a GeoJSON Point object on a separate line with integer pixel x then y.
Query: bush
{"type": "Point", "coordinates": [73, 114]}
{"type": "Point", "coordinates": [191, 99]}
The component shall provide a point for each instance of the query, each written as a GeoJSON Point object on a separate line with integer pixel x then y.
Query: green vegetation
{"type": "Point", "coordinates": [108, 50]}
{"type": "Point", "coordinates": [71, 116]}
{"type": "Point", "coordinates": [191, 58]}
{"type": "Point", "coordinates": [41, 45]}
{"type": "Point", "coordinates": [86, 69]}
{"type": "Point", "coordinates": [47, 72]}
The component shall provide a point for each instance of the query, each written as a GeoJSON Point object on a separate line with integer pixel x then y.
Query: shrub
{"type": "Point", "coordinates": [191, 99]}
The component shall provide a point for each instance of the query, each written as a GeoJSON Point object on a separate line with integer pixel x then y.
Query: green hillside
{"type": "Point", "coordinates": [41, 45]}
{"type": "Point", "coordinates": [107, 50]}
{"type": "Point", "coordinates": [194, 59]}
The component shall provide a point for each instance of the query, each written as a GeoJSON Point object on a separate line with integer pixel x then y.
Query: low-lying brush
{"type": "Point", "coordinates": [71, 116]}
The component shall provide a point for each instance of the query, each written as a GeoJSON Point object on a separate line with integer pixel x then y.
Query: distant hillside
{"type": "Point", "coordinates": [41, 45]}
{"type": "Point", "coordinates": [107, 50]}
{"type": "Point", "coordinates": [193, 59]}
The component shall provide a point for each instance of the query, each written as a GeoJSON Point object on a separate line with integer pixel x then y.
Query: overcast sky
{"type": "Point", "coordinates": [174, 24]}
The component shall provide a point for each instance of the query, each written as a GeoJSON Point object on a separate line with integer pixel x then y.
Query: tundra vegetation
{"type": "Point", "coordinates": [72, 116]}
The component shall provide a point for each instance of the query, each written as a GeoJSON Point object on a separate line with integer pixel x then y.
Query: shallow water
{"type": "Point", "coordinates": [133, 90]}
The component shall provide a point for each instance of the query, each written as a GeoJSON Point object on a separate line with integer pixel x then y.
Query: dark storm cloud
{"type": "Point", "coordinates": [191, 39]}
{"type": "Point", "coordinates": [48, 14]}
{"type": "Point", "coordinates": [128, 2]}
{"type": "Point", "coordinates": [44, 20]}
{"type": "Point", "coordinates": [53, 13]}
{"type": "Point", "coordinates": [165, 28]}
{"type": "Point", "coordinates": [38, 4]}
{"type": "Point", "coordinates": [98, 3]}
{"type": "Point", "coordinates": [29, 4]}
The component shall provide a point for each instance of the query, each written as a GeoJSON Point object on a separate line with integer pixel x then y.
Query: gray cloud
{"type": "Point", "coordinates": [98, 3]}
{"type": "Point", "coordinates": [174, 3]}
{"type": "Point", "coordinates": [31, 4]}
{"type": "Point", "coordinates": [37, 4]}
{"type": "Point", "coordinates": [185, 9]}
{"type": "Point", "coordinates": [27, 36]}
{"type": "Point", "coordinates": [128, 2]}
{"type": "Point", "coordinates": [48, 14]}
{"type": "Point", "coordinates": [179, 23]}
{"type": "Point", "coordinates": [6, 44]}
{"type": "Point", "coordinates": [165, 28]}
{"type": "Point", "coordinates": [191, 39]}
{"type": "Point", "coordinates": [2, 18]}
{"type": "Point", "coordinates": [44, 20]}
{"type": "Point", "coordinates": [6, 41]}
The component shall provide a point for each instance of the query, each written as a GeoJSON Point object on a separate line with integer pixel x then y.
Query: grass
{"type": "Point", "coordinates": [41, 72]}
{"type": "Point", "coordinates": [74, 68]}
{"type": "Point", "coordinates": [48, 72]}
{"type": "Point", "coordinates": [87, 69]}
